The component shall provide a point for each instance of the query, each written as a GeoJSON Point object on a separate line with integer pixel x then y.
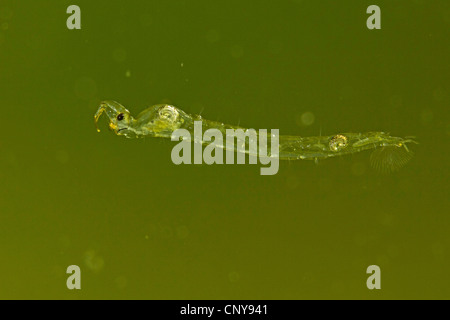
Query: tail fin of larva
{"type": "Point", "coordinates": [390, 159]}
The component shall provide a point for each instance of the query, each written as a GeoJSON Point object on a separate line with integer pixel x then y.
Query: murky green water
{"type": "Point", "coordinates": [141, 227]}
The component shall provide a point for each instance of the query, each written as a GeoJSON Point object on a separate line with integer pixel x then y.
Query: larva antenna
{"type": "Point", "coordinates": [97, 115]}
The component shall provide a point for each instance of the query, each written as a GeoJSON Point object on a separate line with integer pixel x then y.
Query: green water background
{"type": "Point", "coordinates": [141, 227]}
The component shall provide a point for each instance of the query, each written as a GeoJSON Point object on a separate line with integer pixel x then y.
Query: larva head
{"type": "Point", "coordinates": [161, 120]}
{"type": "Point", "coordinates": [119, 116]}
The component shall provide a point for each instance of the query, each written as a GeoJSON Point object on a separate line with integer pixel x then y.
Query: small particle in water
{"type": "Point", "coordinates": [128, 73]}
{"type": "Point", "coordinates": [182, 64]}
{"type": "Point", "coordinates": [305, 119]}
{"type": "Point", "coordinates": [93, 261]}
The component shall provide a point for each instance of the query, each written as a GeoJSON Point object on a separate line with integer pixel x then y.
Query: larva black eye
{"type": "Point", "coordinates": [120, 116]}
